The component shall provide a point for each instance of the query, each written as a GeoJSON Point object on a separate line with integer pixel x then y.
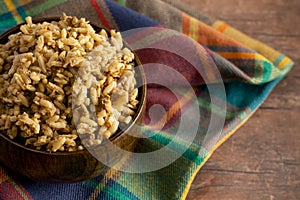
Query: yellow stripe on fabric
{"type": "Point", "coordinates": [110, 174]}
{"type": "Point", "coordinates": [188, 186]}
{"type": "Point", "coordinates": [241, 55]}
{"type": "Point", "coordinates": [194, 28]}
{"type": "Point", "coordinates": [11, 7]}
{"type": "Point", "coordinates": [283, 63]}
{"type": "Point", "coordinates": [261, 48]}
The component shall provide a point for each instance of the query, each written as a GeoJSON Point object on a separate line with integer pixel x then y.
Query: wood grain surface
{"type": "Point", "coordinates": [262, 159]}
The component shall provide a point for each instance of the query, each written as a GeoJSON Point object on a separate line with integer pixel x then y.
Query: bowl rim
{"type": "Point", "coordinates": [115, 137]}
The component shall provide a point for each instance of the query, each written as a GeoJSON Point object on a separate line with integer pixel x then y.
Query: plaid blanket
{"type": "Point", "coordinates": [243, 69]}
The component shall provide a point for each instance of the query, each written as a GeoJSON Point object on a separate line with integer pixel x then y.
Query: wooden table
{"type": "Point", "coordinates": [262, 159]}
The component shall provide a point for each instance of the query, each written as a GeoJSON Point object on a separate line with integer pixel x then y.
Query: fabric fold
{"type": "Point", "coordinates": [228, 75]}
{"type": "Point", "coordinates": [247, 59]}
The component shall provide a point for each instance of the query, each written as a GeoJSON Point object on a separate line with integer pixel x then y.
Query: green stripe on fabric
{"type": "Point", "coordinates": [124, 192]}
{"type": "Point", "coordinates": [16, 3]}
{"type": "Point", "coordinates": [115, 193]}
{"type": "Point", "coordinates": [44, 6]}
{"type": "Point", "coordinates": [8, 23]}
{"type": "Point", "coordinates": [110, 191]}
{"type": "Point", "coordinates": [188, 153]}
{"type": "Point", "coordinates": [3, 8]}
{"type": "Point", "coordinates": [200, 155]}
{"type": "Point", "coordinates": [91, 183]}
{"type": "Point", "coordinates": [122, 2]}
{"type": "Point", "coordinates": [267, 70]}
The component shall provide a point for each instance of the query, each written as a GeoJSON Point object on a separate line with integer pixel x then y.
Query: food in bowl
{"type": "Point", "coordinates": [60, 80]}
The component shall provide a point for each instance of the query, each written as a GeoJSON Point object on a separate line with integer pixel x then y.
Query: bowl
{"type": "Point", "coordinates": [68, 167]}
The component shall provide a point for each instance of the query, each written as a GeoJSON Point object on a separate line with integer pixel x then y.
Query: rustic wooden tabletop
{"type": "Point", "coordinates": [262, 159]}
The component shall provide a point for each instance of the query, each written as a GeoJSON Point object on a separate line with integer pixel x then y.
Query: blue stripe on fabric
{"type": "Point", "coordinates": [6, 21]}
{"type": "Point", "coordinates": [39, 190]}
{"type": "Point", "coordinates": [22, 13]}
{"type": "Point", "coordinates": [132, 20]}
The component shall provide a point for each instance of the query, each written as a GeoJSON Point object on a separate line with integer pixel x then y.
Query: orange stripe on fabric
{"type": "Point", "coordinates": [185, 24]}
{"type": "Point", "coordinates": [222, 27]}
{"type": "Point", "coordinates": [268, 52]}
{"type": "Point", "coordinates": [190, 26]}
{"type": "Point", "coordinates": [206, 35]}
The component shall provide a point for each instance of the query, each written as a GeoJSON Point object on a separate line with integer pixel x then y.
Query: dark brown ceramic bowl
{"type": "Point", "coordinates": [67, 167]}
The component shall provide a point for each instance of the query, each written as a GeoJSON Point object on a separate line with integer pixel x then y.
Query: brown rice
{"type": "Point", "coordinates": [61, 79]}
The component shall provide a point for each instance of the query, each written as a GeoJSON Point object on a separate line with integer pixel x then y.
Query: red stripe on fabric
{"type": "Point", "coordinates": [14, 189]}
{"type": "Point", "coordinates": [100, 14]}
{"type": "Point", "coordinates": [11, 192]}
{"type": "Point", "coordinates": [25, 192]}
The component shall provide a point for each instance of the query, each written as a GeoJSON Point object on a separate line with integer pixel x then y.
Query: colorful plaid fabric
{"type": "Point", "coordinates": [249, 69]}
